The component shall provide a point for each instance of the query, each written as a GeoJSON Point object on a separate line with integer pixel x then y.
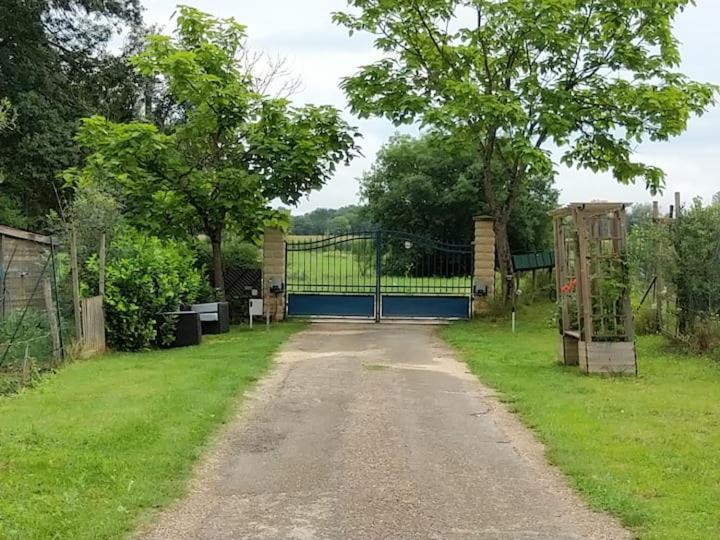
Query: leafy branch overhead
{"type": "Point", "coordinates": [231, 151]}
{"type": "Point", "coordinates": [592, 78]}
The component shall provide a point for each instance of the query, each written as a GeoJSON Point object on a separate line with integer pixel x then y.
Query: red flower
{"type": "Point", "coordinates": [569, 286]}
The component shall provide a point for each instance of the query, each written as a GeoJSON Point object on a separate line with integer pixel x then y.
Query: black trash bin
{"type": "Point", "coordinates": [188, 330]}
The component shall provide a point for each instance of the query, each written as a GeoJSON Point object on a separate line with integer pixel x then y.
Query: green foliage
{"type": "Point", "coordinates": [645, 322]}
{"type": "Point", "coordinates": [696, 237]}
{"type": "Point", "coordinates": [609, 288]}
{"type": "Point", "coordinates": [539, 288]}
{"type": "Point", "coordinates": [432, 186]}
{"type": "Point", "coordinates": [231, 153]}
{"type": "Point", "coordinates": [328, 221]}
{"type": "Point", "coordinates": [644, 448]}
{"type": "Point", "coordinates": [237, 253]}
{"type": "Point", "coordinates": [527, 72]}
{"type": "Point", "coordinates": [145, 276]}
{"type": "Point", "coordinates": [685, 256]}
{"type": "Point", "coordinates": [651, 253]}
{"type": "Point", "coordinates": [56, 67]}
{"type": "Point", "coordinates": [704, 337]}
{"type": "Point", "coordinates": [104, 443]}
{"type": "Point", "coordinates": [517, 78]}
{"type": "Point", "coordinates": [93, 213]}
{"type": "Point", "coordinates": [10, 213]}
{"type": "Point", "coordinates": [7, 115]}
{"type": "Point", "coordinates": [639, 214]}
{"type": "Point", "coordinates": [28, 353]}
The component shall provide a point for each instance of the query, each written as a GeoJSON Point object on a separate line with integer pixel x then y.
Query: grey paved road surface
{"type": "Point", "coordinates": [376, 431]}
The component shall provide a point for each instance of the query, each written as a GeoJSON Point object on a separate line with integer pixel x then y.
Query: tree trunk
{"type": "Point", "coordinates": [502, 246]}
{"type": "Point", "coordinates": [217, 263]}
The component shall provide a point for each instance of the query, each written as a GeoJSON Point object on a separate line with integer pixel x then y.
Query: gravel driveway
{"type": "Point", "coordinates": [376, 431]}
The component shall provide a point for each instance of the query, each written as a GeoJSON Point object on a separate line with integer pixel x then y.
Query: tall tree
{"type": "Point", "coordinates": [432, 185]}
{"type": "Point", "coordinates": [9, 214]}
{"type": "Point", "coordinates": [56, 67]}
{"type": "Point", "coordinates": [519, 77]}
{"type": "Point", "coordinates": [231, 152]}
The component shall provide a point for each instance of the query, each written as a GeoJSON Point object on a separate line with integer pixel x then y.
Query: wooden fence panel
{"type": "Point", "coordinates": [93, 325]}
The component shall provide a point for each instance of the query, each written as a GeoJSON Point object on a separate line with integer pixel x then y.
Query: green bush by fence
{"type": "Point", "coordinates": [145, 276]}
{"type": "Point", "coordinates": [676, 275]}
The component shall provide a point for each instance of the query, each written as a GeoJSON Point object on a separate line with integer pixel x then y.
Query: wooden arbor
{"type": "Point", "coordinates": [593, 287]}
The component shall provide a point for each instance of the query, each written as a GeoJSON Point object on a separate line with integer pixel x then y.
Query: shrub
{"type": "Point", "coordinates": [237, 253]}
{"type": "Point", "coordinates": [144, 277]}
{"type": "Point", "coordinates": [697, 280]}
{"type": "Point", "coordinates": [705, 336]}
{"type": "Point", "coordinates": [646, 322]}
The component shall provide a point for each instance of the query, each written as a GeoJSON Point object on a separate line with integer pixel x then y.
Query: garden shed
{"type": "Point", "coordinates": [24, 258]}
{"type": "Point", "coordinates": [593, 287]}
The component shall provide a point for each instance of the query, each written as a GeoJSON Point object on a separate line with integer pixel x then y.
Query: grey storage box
{"type": "Point", "coordinates": [214, 317]}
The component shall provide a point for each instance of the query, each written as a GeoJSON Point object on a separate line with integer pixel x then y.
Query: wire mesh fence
{"type": "Point", "coordinates": [676, 264]}
{"type": "Point", "coordinates": [36, 322]}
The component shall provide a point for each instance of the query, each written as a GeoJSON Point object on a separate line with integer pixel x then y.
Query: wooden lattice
{"type": "Point", "coordinates": [593, 286]}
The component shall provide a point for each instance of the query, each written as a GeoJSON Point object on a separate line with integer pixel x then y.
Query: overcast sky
{"type": "Point", "coordinates": [320, 53]}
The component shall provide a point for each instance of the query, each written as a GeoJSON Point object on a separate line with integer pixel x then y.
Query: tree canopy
{"type": "Point", "coordinates": [431, 186]}
{"type": "Point", "coordinates": [518, 78]}
{"type": "Point", "coordinates": [325, 221]}
{"type": "Point", "coordinates": [231, 152]}
{"type": "Point", "coordinates": [56, 67]}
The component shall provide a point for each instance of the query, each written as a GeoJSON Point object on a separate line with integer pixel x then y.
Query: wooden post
{"type": "Point", "coordinates": [583, 277]}
{"type": "Point", "coordinates": [658, 271]}
{"type": "Point", "coordinates": [101, 266]}
{"type": "Point", "coordinates": [52, 320]}
{"type": "Point", "coordinates": [680, 323]}
{"type": "Point", "coordinates": [627, 305]}
{"type": "Point", "coordinates": [75, 276]}
{"type": "Point", "coordinates": [560, 267]}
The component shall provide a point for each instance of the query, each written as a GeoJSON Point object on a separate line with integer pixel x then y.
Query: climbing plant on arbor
{"type": "Point", "coordinates": [232, 151]}
{"type": "Point", "coordinates": [519, 77]}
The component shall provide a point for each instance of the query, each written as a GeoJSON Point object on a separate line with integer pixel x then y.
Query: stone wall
{"type": "Point", "coordinates": [273, 268]}
{"type": "Point", "coordinates": [484, 262]}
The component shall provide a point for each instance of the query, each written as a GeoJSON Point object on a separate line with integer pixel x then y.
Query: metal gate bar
{"type": "Point", "coordinates": [378, 274]}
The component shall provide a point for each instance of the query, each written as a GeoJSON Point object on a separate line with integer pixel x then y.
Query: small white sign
{"type": "Point", "coordinates": [256, 307]}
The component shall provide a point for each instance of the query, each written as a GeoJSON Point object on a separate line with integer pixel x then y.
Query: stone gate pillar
{"type": "Point", "coordinates": [273, 273]}
{"type": "Point", "coordinates": [484, 263]}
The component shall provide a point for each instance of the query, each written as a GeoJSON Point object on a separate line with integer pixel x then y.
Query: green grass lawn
{"type": "Point", "coordinates": [331, 270]}
{"type": "Point", "coordinates": [94, 447]}
{"type": "Point", "coordinates": [646, 449]}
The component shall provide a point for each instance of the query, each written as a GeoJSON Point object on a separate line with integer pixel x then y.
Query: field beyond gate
{"type": "Point", "coordinates": [378, 274]}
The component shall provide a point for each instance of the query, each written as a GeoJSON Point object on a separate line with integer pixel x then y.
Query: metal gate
{"type": "Point", "coordinates": [378, 275]}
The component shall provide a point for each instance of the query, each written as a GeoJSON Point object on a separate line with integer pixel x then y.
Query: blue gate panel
{"type": "Point", "coordinates": [331, 305]}
{"type": "Point", "coordinates": [444, 307]}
